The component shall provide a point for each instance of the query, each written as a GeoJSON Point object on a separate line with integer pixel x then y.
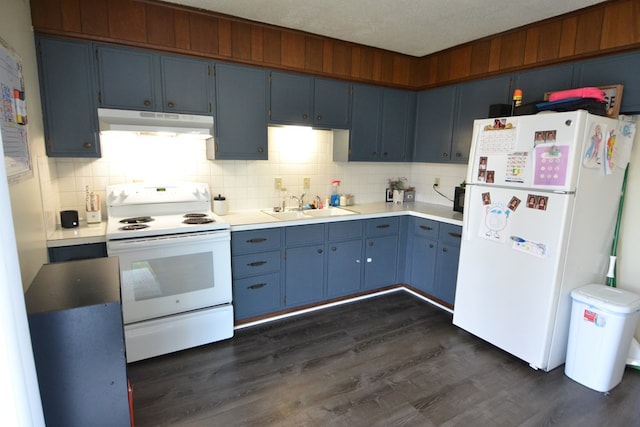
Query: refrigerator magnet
{"type": "Point", "coordinates": [513, 203]}
{"type": "Point", "coordinates": [482, 165]}
{"type": "Point", "coordinates": [531, 201]}
{"type": "Point", "coordinates": [486, 198]}
{"type": "Point", "coordinates": [541, 203]}
{"type": "Point", "coordinates": [490, 177]}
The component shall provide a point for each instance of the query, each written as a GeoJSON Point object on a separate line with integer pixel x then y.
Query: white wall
{"type": "Point", "coordinates": [294, 153]}
{"type": "Point", "coordinates": [21, 235]}
{"type": "Point", "coordinates": [15, 29]}
{"type": "Point", "coordinates": [628, 248]}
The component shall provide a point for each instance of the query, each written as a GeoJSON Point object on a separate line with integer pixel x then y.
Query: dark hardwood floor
{"type": "Point", "coordinates": [387, 361]}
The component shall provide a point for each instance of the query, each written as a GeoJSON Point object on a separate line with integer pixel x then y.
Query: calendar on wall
{"type": "Point", "coordinates": [13, 116]}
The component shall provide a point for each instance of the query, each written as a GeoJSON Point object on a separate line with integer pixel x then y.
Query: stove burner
{"type": "Point", "coordinates": [195, 215]}
{"type": "Point", "coordinates": [133, 227]}
{"type": "Point", "coordinates": [198, 220]}
{"type": "Point", "coordinates": [136, 220]}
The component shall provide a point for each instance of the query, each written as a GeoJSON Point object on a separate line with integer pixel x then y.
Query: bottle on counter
{"type": "Point", "coordinates": [335, 193]}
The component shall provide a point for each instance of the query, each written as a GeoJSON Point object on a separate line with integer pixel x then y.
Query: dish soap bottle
{"type": "Point", "coordinates": [335, 194]}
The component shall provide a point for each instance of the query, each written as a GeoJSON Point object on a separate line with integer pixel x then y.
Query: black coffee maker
{"type": "Point", "coordinates": [458, 199]}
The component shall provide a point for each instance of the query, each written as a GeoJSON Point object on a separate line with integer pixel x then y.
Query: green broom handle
{"type": "Point", "coordinates": [611, 276]}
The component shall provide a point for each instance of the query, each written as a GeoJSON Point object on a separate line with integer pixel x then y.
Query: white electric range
{"type": "Point", "coordinates": [175, 266]}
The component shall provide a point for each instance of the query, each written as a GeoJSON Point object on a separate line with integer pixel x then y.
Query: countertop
{"type": "Point", "coordinates": [81, 235]}
{"type": "Point", "coordinates": [255, 219]}
{"type": "Point", "coordinates": [252, 220]}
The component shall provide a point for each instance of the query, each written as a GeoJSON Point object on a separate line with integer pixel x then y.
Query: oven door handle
{"type": "Point", "coordinates": [172, 239]}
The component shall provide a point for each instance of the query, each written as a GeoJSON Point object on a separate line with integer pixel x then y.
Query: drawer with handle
{"type": "Point", "coordinates": [426, 228]}
{"type": "Point", "coordinates": [450, 233]}
{"type": "Point", "coordinates": [255, 264]}
{"type": "Point", "coordinates": [256, 295]}
{"type": "Point", "coordinates": [383, 226]}
{"type": "Point", "coordinates": [255, 240]}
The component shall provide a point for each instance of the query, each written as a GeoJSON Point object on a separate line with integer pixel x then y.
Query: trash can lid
{"type": "Point", "coordinates": [608, 298]}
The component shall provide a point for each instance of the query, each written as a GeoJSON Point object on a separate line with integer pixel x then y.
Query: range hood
{"type": "Point", "coordinates": [150, 122]}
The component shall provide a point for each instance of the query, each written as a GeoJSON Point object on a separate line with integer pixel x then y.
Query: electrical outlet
{"type": "Point", "coordinates": [277, 183]}
{"type": "Point", "coordinates": [436, 182]}
{"type": "Point", "coordinates": [306, 183]}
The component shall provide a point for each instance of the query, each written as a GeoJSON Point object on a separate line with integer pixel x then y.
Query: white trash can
{"type": "Point", "coordinates": [603, 320]}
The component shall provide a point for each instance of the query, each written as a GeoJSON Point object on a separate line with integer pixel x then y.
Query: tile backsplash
{"type": "Point", "coordinates": [294, 154]}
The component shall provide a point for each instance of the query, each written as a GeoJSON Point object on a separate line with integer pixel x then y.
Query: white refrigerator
{"type": "Point", "coordinates": [540, 209]}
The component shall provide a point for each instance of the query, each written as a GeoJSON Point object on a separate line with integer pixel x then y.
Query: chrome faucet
{"type": "Point", "coordinates": [300, 200]}
{"type": "Point", "coordinates": [317, 201]}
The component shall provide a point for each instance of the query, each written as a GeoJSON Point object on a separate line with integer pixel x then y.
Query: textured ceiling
{"type": "Point", "coordinates": [413, 27]}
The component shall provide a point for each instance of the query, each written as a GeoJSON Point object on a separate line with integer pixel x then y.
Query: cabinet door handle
{"type": "Point", "coordinates": [257, 263]}
{"type": "Point", "coordinates": [87, 145]}
{"type": "Point", "coordinates": [257, 240]}
{"type": "Point", "coordinates": [305, 116]}
{"type": "Point", "coordinates": [319, 118]}
{"type": "Point", "coordinates": [426, 227]}
{"type": "Point", "coordinates": [445, 250]}
{"type": "Point", "coordinates": [333, 248]}
{"type": "Point", "coordinates": [445, 154]}
{"type": "Point", "coordinates": [458, 155]}
{"type": "Point", "coordinates": [371, 244]}
{"type": "Point", "coordinates": [257, 286]}
{"type": "Point", "coordinates": [430, 245]}
{"type": "Point", "coordinates": [456, 235]}
{"type": "Point", "coordinates": [383, 226]}
{"type": "Point", "coordinates": [170, 104]}
{"type": "Point", "coordinates": [147, 103]}
{"type": "Point", "coordinates": [260, 150]}
{"type": "Point", "coordinates": [320, 251]}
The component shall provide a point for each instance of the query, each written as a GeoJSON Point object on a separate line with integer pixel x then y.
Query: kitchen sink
{"type": "Point", "coordinates": [327, 212]}
{"type": "Point", "coordinates": [289, 215]}
{"type": "Point", "coordinates": [286, 215]}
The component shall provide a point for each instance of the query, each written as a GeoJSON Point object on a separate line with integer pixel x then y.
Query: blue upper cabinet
{"type": "Point", "coordinates": [127, 78]}
{"type": "Point", "coordinates": [398, 123]}
{"type": "Point", "coordinates": [445, 116]}
{"type": "Point", "coordinates": [68, 89]}
{"type": "Point", "coordinates": [535, 83]}
{"type": "Point", "coordinates": [610, 70]}
{"type": "Point", "coordinates": [382, 123]}
{"type": "Point", "coordinates": [434, 124]}
{"type": "Point", "coordinates": [296, 99]}
{"type": "Point", "coordinates": [144, 80]}
{"type": "Point", "coordinates": [241, 113]}
{"type": "Point", "coordinates": [331, 104]}
{"type": "Point", "coordinates": [473, 101]}
{"type": "Point", "coordinates": [290, 98]}
{"type": "Point", "coordinates": [365, 123]}
{"type": "Point", "coordinates": [187, 85]}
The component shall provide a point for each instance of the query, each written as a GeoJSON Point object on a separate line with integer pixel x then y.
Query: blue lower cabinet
{"type": "Point", "coordinates": [304, 275]}
{"type": "Point", "coordinates": [344, 268]}
{"type": "Point", "coordinates": [423, 264]}
{"type": "Point", "coordinates": [446, 274]}
{"type": "Point", "coordinates": [381, 259]}
{"type": "Point", "coordinates": [76, 252]}
{"type": "Point", "coordinates": [256, 295]}
{"type": "Point", "coordinates": [432, 265]}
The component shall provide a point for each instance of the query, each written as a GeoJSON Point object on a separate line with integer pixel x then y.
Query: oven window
{"type": "Point", "coordinates": [167, 276]}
